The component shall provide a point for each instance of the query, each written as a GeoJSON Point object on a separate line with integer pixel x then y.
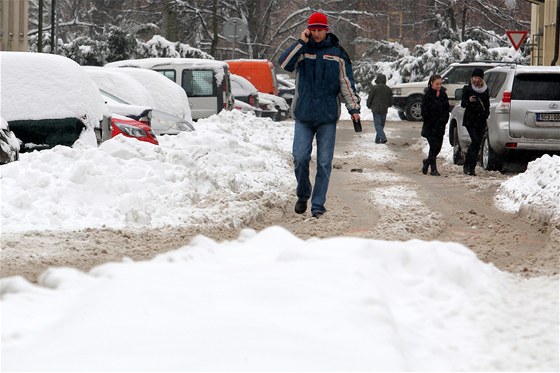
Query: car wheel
{"type": "Point", "coordinates": [413, 109]}
{"type": "Point", "coordinates": [490, 160]}
{"type": "Point", "coordinates": [458, 157]}
{"type": "Point", "coordinates": [402, 115]}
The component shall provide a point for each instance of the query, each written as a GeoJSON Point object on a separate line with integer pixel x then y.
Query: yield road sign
{"type": "Point", "coordinates": [516, 38]}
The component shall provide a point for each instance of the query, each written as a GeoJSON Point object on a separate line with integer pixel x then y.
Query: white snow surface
{"type": "Point", "coordinates": [29, 78]}
{"type": "Point", "coordinates": [168, 96]}
{"type": "Point", "coordinates": [267, 301]}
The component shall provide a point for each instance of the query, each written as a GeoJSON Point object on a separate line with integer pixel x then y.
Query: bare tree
{"type": "Point", "coordinates": [274, 23]}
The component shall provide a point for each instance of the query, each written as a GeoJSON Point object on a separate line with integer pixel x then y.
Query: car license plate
{"type": "Point", "coordinates": [548, 117]}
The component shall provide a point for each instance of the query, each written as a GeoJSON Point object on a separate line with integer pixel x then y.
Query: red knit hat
{"type": "Point", "coordinates": [318, 20]}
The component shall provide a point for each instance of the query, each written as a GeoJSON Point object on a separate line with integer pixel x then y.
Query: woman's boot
{"type": "Point", "coordinates": [434, 171]}
{"type": "Point", "coordinates": [425, 165]}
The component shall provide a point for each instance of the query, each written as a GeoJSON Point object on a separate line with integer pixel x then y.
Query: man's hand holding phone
{"type": "Point", "coordinates": [305, 35]}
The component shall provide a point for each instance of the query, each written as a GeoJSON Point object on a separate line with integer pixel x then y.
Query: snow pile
{"type": "Point", "coordinates": [227, 172]}
{"type": "Point", "coordinates": [270, 301]}
{"type": "Point", "coordinates": [535, 192]}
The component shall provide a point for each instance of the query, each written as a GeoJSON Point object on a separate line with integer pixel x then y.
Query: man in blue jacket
{"type": "Point", "coordinates": [323, 76]}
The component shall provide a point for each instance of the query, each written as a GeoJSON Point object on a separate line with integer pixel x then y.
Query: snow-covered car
{"type": "Point", "coordinates": [246, 108]}
{"type": "Point", "coordinates": [286, 88]}
{"type": "Point", "coordinates": [162, 123]}
{"type": "Point", "coordinates": [244, 90]}
{"type": "Point", "coordinates": [524, 116]}
{"type": "Point", "coordinates": [205, 81]}
{"type": "Point", "coordinates": [267, 108]}
{"type": "Point", "coordinates": [281, 106]}
{"type": "Point", "coordinates": [9, 144]}
{"type": "Point", "coordinates": [49, 100]}
{"type": "Point", "coordinates": [120, 88]}
{"type": "Point", "coordinates": [168, 96]}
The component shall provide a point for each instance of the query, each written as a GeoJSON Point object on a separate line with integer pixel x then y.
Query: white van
{"type": "Point", "coordinates": [206, 82]}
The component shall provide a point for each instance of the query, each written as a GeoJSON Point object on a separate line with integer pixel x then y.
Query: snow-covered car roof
{"type": "Point", "coordinates": [168, 96]}
{"type": "Point", "coordinates": [39, 86]}
{"type": "Point", "coordinates": [245, 107]}
{"type": "Point", "coordinates": [219, 67]}
{"type": "Point", "coordinates": [121, 85]}
{"type": "Point", "coordinates": [282, 104]}
{"type": "Point", "coordinates": [244, 88]}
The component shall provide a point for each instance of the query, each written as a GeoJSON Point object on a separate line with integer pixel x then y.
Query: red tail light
{"type": "Point", "coordinates": [504, 106]}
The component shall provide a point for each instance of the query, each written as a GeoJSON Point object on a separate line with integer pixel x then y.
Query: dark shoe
{"type": "Point", "coordinates": [301, 207]}
{"type": "Point", "coordinates": [383, 141]}
{"type": "Point", "coordinates": [317, 214]}
{"type": "Point", "coordinates": [425, 165]}
{"type": "Point", "coordinates": [433, 166]}
{"type": "Point", "coordinates": [466, 170]}
{"type": "Point", "coordinates": [471, 172]}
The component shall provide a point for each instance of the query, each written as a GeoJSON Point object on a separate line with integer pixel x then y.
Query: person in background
{"type": "Point", "coordinates": [380, 99]}
{"type": "Point", "coordinates": [476, 101]}
{"type": "Point", "coordinates": [323, 75]}
{"type": "Point", "coordinates": [435, 112]}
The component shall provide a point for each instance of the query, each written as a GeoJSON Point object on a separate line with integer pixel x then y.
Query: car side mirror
{"type": "Point", "coordinates": [458, 93]}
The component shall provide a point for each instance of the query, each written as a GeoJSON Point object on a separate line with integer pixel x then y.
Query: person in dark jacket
{"type": "Point", "coordinates": [435, 112]}
{"type": "Point", "coordinates": [476, 101]}
{"type": "Point", "coordinates": [380, 99]}
{"type": "Point", "coordinates": [323, 76]}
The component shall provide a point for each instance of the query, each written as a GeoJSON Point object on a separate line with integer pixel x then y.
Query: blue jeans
{"type": "Point", "coordinates": [301, 151]}
{"type": "Point", "coordinates": [379, 124]}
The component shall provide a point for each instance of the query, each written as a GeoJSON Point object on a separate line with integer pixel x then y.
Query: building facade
{"type": "Point", "coordinates": [14, 15]}
{"type": "Point", "coordinates": [545, 32]}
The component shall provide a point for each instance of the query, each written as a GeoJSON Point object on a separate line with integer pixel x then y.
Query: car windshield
{"type": "Point", "coordinates": [537, 87]}
{"type": "Point", "coordinates": [113, 97]}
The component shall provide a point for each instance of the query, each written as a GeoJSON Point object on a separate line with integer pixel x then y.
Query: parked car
{"type": "Point", "coordinates": [161, 123]}
{"type": "Point", "coordinates": [168, 96]}
{"type": "Point", "coordinates": [246, 108]}
{"type": "Point", "coordinates": [128, 127]}
{"type": "Point", "coordinates": [524, 115]}
{"type": "Point", "coordinates": [206, 82]}
{"type": "Point", "coordinates": [281, 106]}
{"type": "Point", "coordinates": [407, 97]}
{"type": "Point", "coordinates": [49, 100]}
{"type": "Point", "coordinates": [258, 71]}
{"type": "Point", "coordinates": [267, 108]}
{"type": "Point", "coordinates": [9, 144]}
{"type": "Point", "coordinates": [128, 96]}
{"type": "Point", "coordinates": [286, 88]}
{"type": "Point", "coordinates": [121, 85]}
{"type": "Point", "coordinates": [244, 90]}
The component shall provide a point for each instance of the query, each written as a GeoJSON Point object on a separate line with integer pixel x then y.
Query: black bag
{"type": "Point", "coordinates": [357, 125]}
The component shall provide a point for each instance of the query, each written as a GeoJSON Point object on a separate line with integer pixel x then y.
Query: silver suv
{"type": "Point", "coordinates": [524, 115]}
{"type": "Point", "coordinates": [407, 97]}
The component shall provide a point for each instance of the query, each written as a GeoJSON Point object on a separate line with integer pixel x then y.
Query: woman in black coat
{"type": "Point", "coordinates": [435, 112]}
{"type": "Point", "coordinates": [476, 101]}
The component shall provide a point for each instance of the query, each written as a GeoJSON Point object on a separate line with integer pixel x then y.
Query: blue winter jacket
{"type": "Point", "coordinates": [323, 75]}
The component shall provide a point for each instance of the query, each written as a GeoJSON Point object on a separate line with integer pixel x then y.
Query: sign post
{"type": "Point", "coordinates": [516, 38]}
{"type": "Point", "coordinates": [235, 30]}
